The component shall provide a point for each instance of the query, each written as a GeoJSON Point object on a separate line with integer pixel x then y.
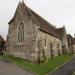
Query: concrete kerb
{"type": "Point", "coordinates": [54, 70]}
{"type": "Point", "coordinates": [20, 66]}
{"type": "Point", "coordinates": [25, 69]}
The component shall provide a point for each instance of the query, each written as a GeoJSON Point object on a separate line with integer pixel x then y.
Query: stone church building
{"type": "Point", "coordinates": [33, 38]}
{"type": "Point", "coordinates": [2, 45]}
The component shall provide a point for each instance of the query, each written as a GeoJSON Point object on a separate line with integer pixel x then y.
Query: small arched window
{"type": "Point", "coordinates": [45, 42]}
{"type": "Point", "coordinates": [21, 32]}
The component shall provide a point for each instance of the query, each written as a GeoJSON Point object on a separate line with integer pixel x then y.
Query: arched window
{"type": "Point", "coordinates": [21, 33]}
{"type": "Point", "coordinates": [45, 42]}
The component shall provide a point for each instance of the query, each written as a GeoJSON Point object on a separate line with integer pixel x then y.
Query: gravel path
{"type": "Point", "coordinates": [8, 68]}
{"type": "Point", "coordinates": [67, 69]}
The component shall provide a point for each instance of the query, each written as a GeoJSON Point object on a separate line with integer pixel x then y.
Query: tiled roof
{"type": "Point", "coordinates": [70, 39]}
{"type": "Point", "coordinates": [60, 31]}
{"type": "Point", "coordinates": [44, 25]}
{"type": "Point", "coordinates": [69, 36]}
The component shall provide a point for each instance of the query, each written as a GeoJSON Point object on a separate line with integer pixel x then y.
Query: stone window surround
{"type": "Point", "coordinates": [20, 33]}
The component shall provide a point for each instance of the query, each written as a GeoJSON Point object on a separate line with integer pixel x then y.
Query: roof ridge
{"type": "Point", "coordinates": [41, 17]}
{"type": "Point", "coordinates": [41, 22]}
{"type": "Point", "coordinates": [32, 14]}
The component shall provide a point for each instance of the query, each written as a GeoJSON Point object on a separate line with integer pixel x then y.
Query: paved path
{"type": "Point", "coordinates": [8, 68]}
{"type": "Point", "coordinates": [67, 69]}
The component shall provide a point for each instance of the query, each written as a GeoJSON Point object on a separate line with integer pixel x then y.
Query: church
{"type": "Point", "coordinates": [32, 38]}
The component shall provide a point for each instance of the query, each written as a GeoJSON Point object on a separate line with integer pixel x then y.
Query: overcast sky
{"type": "Point", "coordinates": [57, 12]}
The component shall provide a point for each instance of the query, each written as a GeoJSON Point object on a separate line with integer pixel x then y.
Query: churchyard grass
{"type": "Point", "coordinates": [42, 69]}
{"type": "Point", "coordinates": [73, 73]}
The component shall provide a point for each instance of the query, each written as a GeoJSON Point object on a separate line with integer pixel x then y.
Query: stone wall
{"type": "Point", "coordinates": [37, 45]}
{"type": "Point", "coordinates": [73, 48]}
{"type": "Point", "coordinates": [65, 41]}
{"type": "Point", "coordinates": [26, 48]}
{"type": "Point", "coordinates": [50, 40]}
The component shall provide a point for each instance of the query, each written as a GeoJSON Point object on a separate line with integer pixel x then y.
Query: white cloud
{"type": "Point", "coordinates": [58, 12]}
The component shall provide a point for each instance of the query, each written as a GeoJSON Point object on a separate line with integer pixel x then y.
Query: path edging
{"type": "Point", "coordinates": [54, 70]}
{"type": "Point", "coordinates": [19, 66]}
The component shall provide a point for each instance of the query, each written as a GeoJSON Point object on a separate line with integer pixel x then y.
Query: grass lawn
{"type": "Point", "coordinates": [73, 73]}
{"type": "Point", "coordinates": [43, 68]}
